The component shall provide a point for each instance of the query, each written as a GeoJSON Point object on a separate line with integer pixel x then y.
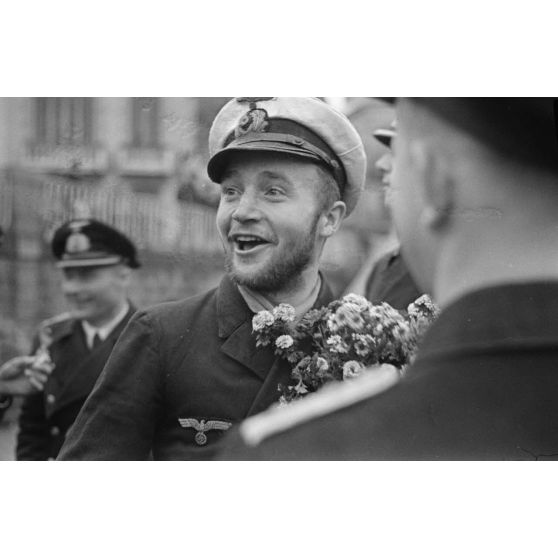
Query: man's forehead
{"type": "Point", "coordinates": [267, 165]}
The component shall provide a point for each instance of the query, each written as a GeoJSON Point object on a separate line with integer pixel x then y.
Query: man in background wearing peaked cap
{"type": "Point", "coordinates": [475, 204]}
{"type": "Point", "coordinates": [182, 373]}
{"type": "Point", "coordinates": [95, 262]}
{"type": "Point", "coordinates": [390, 280]}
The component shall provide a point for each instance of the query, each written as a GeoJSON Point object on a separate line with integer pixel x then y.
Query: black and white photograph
{"type": "Point", "coordinates": [295, 325]}
{"type": "Point", "coordinates": [279, 278]}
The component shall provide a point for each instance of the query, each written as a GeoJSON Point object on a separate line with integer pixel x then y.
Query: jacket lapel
{"type": "Point", "coordinates": [235, 327]}
{"type": "Point", "coordinates": [83, 373]}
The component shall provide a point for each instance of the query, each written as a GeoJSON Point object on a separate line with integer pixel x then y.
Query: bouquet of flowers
{"type": "Point", "coordinates": [341, 340]}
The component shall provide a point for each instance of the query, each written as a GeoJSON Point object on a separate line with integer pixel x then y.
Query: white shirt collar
{"type": "Point", "coordinates": [104, 331]}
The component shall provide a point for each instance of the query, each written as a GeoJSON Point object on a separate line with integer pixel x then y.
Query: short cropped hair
{"type": "Point", "coordinates": [329, 191]}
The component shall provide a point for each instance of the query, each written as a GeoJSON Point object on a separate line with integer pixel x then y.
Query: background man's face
{"type": "Point", "coordinates": [407, 205]}
{"type": "Point", "coordinates": [95, 294]}
{"type": "Point", "coordinates": [371, 215]}
{"type": "Point", "coordinates": [267, 219]}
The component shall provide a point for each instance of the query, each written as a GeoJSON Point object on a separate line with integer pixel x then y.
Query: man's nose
{"type": "Point", "coordinates": [383, 163]}
{"type": "Point", "coordinates": [247, 208]}
{"type": "Point", "coordinates": [70, 286]}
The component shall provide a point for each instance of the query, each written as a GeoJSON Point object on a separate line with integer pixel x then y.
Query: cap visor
{"type": "Point", "coordinates": [89, 262]}
{"type": "Point", "coordinates": [384, 136]}
{"type": "Point", "coordinates": [219, 161]}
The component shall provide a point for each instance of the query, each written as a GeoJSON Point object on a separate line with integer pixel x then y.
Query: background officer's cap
{"type": "Point", "coordinates": [522, 128]}
{"type": "Point", "coordinates": [89, 243]}
{"type": "Point", "coordinates": [300, 126]}
{"type": "Point", "coordinates": [385, 135]}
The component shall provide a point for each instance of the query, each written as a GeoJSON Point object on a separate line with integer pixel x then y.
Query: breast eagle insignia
{"type": "Point", "coordinates": [203, 426]}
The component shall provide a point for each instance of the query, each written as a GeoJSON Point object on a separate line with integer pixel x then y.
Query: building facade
{"type": "Point", "coordinates": [137, 163]}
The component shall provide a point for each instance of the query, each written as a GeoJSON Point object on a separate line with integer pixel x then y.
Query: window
{"type": "Point", "coordinates": [64, 120]}
{"type": "Point", "coordinates": [208, 107]}
{"type": "Point", "coordinates": [145, 122]}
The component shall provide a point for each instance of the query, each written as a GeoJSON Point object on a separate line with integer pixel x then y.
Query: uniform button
{"type": "Point", "coordinates": [54, 431]}
{"type": "Point", "coordinates": [50, 398]}
{"type": "Point", "coordinates": [298, 141]}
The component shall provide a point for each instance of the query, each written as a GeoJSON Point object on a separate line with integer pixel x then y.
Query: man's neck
{"type": "Point", "coordinates": [298, 291]}
{"type": "Point", "coordinates": [115, 316]}
{"type": "Point", "coordinates": [302, 299]}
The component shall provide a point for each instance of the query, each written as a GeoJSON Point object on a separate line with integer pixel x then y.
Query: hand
{"type": "Point", "coordinates": [24, 375]}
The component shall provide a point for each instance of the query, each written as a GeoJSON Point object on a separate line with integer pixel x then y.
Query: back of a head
{"type": "Point", "coordinates": [479, 190]}
{"type": "Point", "coordinates": [521, 131]}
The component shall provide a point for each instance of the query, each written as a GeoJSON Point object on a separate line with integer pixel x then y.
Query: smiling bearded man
{"type": "Point", "coordinates": [182, 373]}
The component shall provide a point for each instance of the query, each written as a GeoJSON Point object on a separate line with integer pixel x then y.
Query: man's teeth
{"type": "Point", "coordinates": [248, 238]}
{"type": "Point", "coordinates": [245, 242]}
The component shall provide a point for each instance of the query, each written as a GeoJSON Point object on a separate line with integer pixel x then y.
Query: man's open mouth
{"type": "Point", "coordinates": [247, 242]}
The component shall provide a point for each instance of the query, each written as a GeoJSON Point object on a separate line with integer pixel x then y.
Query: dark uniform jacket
{"type": "Point", "coordinates": [484, 386]}
{"type": "Point", "coordinates": [180, 375]}
{"type": "Point", "coordinates": [46, 416]}
{"type": "Point", "coordinates": [391, 282]}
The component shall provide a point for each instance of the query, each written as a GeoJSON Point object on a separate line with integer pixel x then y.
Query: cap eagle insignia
{"type": "Point", "coordinates": [254, 121]}
{"type": "Point", "coordinates": [77, 241]}
{"type": "Point", "coordinates": [203, 426]}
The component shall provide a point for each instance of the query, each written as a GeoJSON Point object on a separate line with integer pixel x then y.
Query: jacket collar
{"type": "Point", "coordinates": [78, 380]}
{"type": "Point", "coordinates": [70, 325]}
{"type": "Point", "coordinates": [235, 328]}
{"type": "Point", "coordinates": [512, 316]}
{"type": "Point", "coordinates": [232, 310]}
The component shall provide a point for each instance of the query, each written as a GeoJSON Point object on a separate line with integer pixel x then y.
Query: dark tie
{"type": "Point", "coordinates": [96, 341]}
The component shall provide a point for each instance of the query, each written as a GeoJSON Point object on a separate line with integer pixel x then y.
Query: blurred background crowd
{"type": "Point", "coordinates": [139, 164]}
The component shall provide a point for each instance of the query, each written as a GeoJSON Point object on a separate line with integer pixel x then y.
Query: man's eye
{"type": "Point", "coordinates": [274, 192]}
{"type": "Point", "coordinates": [229, 191]}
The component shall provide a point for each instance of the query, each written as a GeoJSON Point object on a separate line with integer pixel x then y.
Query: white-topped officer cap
{"type": "Point", "coordinates": [300, 126]}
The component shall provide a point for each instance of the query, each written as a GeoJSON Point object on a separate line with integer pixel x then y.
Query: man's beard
{"type": "Point", "coordinates": [284, 271]}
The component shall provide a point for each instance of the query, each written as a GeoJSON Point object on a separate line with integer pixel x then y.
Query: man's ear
{"type": "Point", "coordinates": [436, 187]}
{"type": "Point", "coordinates": [331, 220]}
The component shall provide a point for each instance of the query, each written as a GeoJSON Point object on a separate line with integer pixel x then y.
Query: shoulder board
{"type": "Point", "coordinates": [330, 398]}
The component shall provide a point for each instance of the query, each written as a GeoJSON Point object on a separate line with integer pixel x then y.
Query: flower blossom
{"type": "Point", "coordinates": [284, 312]}
{"type": "Point", "coordinates": [337, 344]}
{"type": "Point", "coordinates": [262, 319]}
{"type": "Point", "coordinates": [352, 369]}
{"type": "Point", "coordinates": [347, 315]}
{"type": "Point", "coordinates": [322, 364]}
{"type": "Point", "coordinates": [423, 304]}
{"type": "Point", "coordinates": [357, 300]}
{"type": "Point", "coordinates": [363, 344]}
{"type": "Point", "coordinates": [284, 341]}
